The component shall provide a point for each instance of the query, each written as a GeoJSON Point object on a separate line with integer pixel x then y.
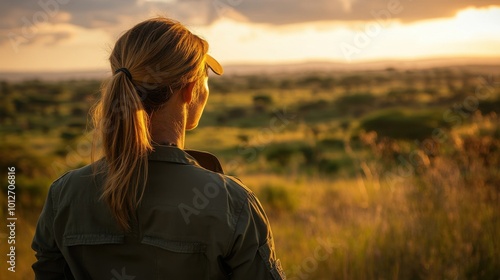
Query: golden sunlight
{"type": "Point", "coordinates": [470, 33]}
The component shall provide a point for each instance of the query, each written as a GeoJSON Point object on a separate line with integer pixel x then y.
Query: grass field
{"type": "Point", "coordinates": [366, 175]}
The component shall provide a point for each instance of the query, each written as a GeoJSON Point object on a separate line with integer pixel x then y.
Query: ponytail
{"type": "Point", "coordinates": [150, 61]}
{"type": "Point", "coordinates": [126, 141]}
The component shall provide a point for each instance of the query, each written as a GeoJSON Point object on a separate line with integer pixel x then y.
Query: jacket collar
{"type": "Point", "coordinates": [171, 154]}
{"type": "Point", "coordinates": [190, 157]}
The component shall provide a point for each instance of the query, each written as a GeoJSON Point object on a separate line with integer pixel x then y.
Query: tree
{"type": "Point", "coordinates": [261, 102]}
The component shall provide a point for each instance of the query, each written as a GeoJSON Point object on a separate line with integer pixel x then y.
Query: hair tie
{"type": "Point", "coordinates": [124, 70]}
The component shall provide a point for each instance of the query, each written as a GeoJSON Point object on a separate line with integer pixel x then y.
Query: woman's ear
{"type": "Point", "coordinates": [188, 92]}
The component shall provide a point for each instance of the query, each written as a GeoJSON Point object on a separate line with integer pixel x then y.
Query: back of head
{"type": "Point", "coordinates": [150, 62]}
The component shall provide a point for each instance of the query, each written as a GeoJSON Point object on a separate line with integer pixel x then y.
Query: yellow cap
{"type": "Point", "coordinates": [214, 65]}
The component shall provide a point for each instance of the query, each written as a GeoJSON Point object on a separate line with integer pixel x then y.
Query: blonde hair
{"type": "Point", "coordinates": [162, 57]}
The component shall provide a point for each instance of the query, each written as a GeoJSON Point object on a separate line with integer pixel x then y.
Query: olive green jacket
{"type": "Point", "coordinates": [193, 223]}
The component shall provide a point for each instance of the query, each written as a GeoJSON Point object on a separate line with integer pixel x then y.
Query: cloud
{"type": "Point", "coordinates": [52, 38]}
{"type": "Point", "coordinates": [121, 14]}
{"type": "Point", "coordinates": [297, 11]}
{"type": "Point", "coordinates": [101, 13]}
{"type": "Point", "coordinates": [88, 13]}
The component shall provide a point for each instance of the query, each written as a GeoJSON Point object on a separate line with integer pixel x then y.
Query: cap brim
{"type": "Point", "coordinates": [214, 65]}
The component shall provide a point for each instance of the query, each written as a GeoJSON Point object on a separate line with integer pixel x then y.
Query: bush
{"type": "Point", "coordinates": [280, 154]}
{"type": "Point", "coordinates": [313, 106]}
{"type": "Point", "coordinates": [309, 153]}
{"type": "Point", "coordinates": [332, 143]}
{"type": "Point", "coordinates": [487, 107]}
{"type": "Point", "coordinates": [77, 124]}
{"type": "Point", "coordinates": [69, 135]}
{"type": "Point", "coordinates": [400, 124]}
{"type": "Point", "coordinates": [287, 155]}
{"type": "Point", "coordinates": [328, 166]}
{"type": "Point", "coordinates": [262, 102]}
{"type": "Point", "coordinates": [236, 113]}
{"type": "Point", "coordinates": [231, 114]}
{"type": "Point", "coordinates": [355, 104]}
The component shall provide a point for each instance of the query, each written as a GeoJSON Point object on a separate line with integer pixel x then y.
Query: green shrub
{"type": "Point", "coordinates": [69, 135]}
{"type": "Point", "coordinates": [401, 124]}
{"type": "Point", "coordinates": [332, 143]}
{"type": "Point", "coordinates": [280, 154]}
{"type": "Point", "coordinates": [77, 124]}
{"type": "Point", "coordinates": [236, 113]}
{"type": "Point", "coordinates": [261, 102]}
{"type": "Point", "coordinates": [356, 104]}
{"type": "Point", "coordinates": [328, 166]}
{"type": "Point", "coordinates": [489, 106]}
{"type": "Point", "coordinates": [313, 106]}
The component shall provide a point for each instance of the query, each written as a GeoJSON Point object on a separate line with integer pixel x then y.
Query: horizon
{"type": "Point", "coordinates": [298, 67]}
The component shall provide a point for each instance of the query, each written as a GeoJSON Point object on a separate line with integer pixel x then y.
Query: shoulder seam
{"type": "Point", "coordinates": [240, 183]}
{"type": "Point", "coordinates": [60, 177]}
{"type": "Point", "coordinates": [228, 247]}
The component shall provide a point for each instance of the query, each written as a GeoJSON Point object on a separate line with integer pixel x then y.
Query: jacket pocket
{"type": "Point", "coordinates": [179, 259]}
{"type": "Point", "coordinates": [93, 255]}
{"type": "Point", "coordinates": [92, 239]}
{"type": "Point", "coordinates": [267, 254]}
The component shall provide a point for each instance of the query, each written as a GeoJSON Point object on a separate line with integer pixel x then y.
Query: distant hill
{"type": "Point", "coordinates": [489, 65]}
{"type": "Point", "coordinates": [476, 64]}
{"type": "Point", "coordinates": [54, 76]}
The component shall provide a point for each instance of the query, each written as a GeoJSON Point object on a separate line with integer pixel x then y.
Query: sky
{"type": "Point", "coordinates": [78, 35]}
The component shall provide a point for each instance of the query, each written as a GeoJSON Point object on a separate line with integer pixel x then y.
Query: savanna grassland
{"type": "Point", "coordinates": [390, 174]}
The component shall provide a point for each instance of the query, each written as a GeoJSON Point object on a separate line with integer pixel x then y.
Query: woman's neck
{"type": "Point", "coordinates": [168, 127]}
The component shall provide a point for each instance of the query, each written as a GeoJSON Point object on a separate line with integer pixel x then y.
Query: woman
{"type": "Point", "coordinates": [148, 209]}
